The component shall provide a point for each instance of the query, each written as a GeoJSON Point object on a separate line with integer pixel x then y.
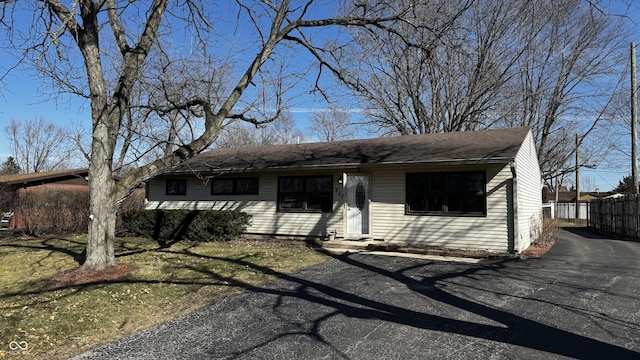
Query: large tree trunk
{"type": "Point", "coordinates": [103, 204]}
{"type": "Point", "coordinates": [101, 236]}
{"type": "Point", "coordinates": [100, 248]}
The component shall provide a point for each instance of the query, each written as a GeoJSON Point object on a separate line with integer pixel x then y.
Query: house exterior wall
{"type": "Point", "coordinates": [528, 190]}
{"type": "Point", "coordinates": [266, 219]}
{"type": "Point", "coordinates": [388, 219]}
{"type": "Point", "coordinates": [488, 232]}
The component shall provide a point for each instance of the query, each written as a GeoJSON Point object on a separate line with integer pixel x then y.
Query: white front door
{"type": "Point", "coordinates": [358, 206]}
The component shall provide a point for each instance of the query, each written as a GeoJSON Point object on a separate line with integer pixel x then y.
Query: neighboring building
{"type": "Point", "coordinates": [563, 204]}
{"type": "Point", "coordinates": [570, 196]}
{"type": "Point", "coordinates": [467, 190]}
{"type": "Point", "coordinates": [12, 187]}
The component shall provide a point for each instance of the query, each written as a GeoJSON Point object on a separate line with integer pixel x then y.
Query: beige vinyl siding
{"type": "Point", "coordinates": [486, 233]}
{"type": "Point", "coordinates": [266, 219]}
{"type": "Point", "coordinates": [529, 194]}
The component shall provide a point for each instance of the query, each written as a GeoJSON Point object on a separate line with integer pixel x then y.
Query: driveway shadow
{"type": "Point", "coordinates": [367, 307]}
{"type": "Point", "coordinates": [505, 327]}
{"type": "Point", "coordinates": [515, 329]}
{"type": "Point", "coordinates": [587, 233]}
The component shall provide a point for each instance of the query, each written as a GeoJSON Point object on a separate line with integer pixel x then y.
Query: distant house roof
{"type": "Point", "coordinates": [472, 147]}
{"type": "Point", "coordinates": [43, 177]}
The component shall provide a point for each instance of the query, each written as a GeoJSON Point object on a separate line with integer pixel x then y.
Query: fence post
{"type": "Point", "coordinates": [636, 214]}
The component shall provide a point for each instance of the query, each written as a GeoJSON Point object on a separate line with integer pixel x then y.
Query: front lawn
{"type": "Point", "coordinates": [45, 312]}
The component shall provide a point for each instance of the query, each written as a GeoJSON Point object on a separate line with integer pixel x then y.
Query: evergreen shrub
{"type": "Point", "coordinates": [169, 226]}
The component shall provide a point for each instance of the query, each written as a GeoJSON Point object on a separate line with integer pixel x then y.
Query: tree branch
{"type": "Point", "coordinates": [116, 27]}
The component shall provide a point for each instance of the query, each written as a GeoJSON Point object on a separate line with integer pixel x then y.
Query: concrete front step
{"type": "Point", "coordinates": [351, 244]}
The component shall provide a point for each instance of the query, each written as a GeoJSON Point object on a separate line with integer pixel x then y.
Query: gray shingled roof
{"type": "Point", "coordinates": [471, 147]}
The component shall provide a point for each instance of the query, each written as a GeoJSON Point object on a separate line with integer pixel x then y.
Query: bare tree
{"type": "Point", "coordinates": [100, 50]}
{"type": "Point", "coordinates": [442, 77]}
{"type": "Point", "coordinates": [332, 125]}
{"type": "Point", "coordinates": [566, 80]}
{"type": "Point", "coordinates": [552, 65]}
{"type": "Point", "coordinates": [617, 128]}
{"type": "Point", "coordinates": [588, 183]}
{"type": "Point", "coordinates": [285, 130]}
{"type": "Point", "coordinates": [39, 145]}
{"type": "Point", "coordinates": [241, 134]}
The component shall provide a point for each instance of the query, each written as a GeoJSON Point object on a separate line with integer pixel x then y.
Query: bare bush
{"type": "Point", "coordinates": [549, 233]}
{"type": "Point", "coordinates": [54, 210]}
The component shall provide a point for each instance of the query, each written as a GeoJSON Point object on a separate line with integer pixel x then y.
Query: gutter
{"type": "Point", "coordinates": [514, 204]}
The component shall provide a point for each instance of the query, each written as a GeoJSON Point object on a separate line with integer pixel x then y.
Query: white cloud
{"type": "Point", "coordinates": [314, 110]}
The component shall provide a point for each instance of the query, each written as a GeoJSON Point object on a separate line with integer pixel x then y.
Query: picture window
{"type": "Point", "coordinates": [235, 186]}
{"type": "Point", "coordinates": [446, 193]}
{"type": "Point", "coordinates": [305, 193]}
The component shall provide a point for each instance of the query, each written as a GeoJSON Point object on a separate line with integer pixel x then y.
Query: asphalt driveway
{"type": "Point", "coordinates": [581, 300]}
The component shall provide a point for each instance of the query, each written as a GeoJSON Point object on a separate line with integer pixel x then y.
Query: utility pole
{"type": "Point", "coordinates": [634, 120]}
{"type": "Point", "coordinates": [577, 180]}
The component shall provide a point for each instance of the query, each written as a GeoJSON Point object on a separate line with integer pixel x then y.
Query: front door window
{"type": "Point", "coordinates": [358, 206]}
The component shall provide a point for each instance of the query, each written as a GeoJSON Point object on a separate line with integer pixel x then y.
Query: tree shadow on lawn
{"type": "Point", "coordinates": [74, 249]}
{"type": "Point", "coordinates": [122, 273]}
{"type": "Point", "coordinates": [515, 329]}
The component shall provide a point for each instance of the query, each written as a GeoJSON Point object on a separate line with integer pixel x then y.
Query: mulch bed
{"type": "Point", "coordinates": [80, 276]}
{"type": "Point", "coordinates": [537, 250]}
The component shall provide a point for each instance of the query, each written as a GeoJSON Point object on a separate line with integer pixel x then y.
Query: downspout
{"type": "Point", "coordinates": [514, 206]}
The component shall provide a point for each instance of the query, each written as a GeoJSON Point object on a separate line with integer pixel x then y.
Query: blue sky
{"type": "Point", "coordinates": [23, 96]}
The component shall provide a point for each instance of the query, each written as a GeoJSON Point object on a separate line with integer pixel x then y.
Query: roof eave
{"type": "Point", "coordinates": [450, 162]}
{"type": "Point", "coordinates": [28, 180]}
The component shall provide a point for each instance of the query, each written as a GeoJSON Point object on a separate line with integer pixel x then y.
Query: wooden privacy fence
{"type": "Point", "coordinates": [619, 217]}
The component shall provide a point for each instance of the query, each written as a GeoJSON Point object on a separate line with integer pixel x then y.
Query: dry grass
{"type": "Point", "coordinates": [59, 314]}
